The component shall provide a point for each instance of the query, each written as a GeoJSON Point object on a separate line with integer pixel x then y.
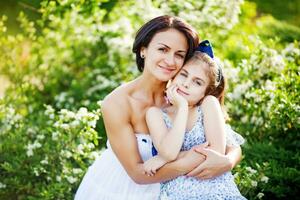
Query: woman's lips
{"type": "Point", "coordinates": [167, 69]}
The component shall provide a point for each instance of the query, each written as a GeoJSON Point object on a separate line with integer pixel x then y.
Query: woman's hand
{"type": "Point", "coordinates": [214, 165]}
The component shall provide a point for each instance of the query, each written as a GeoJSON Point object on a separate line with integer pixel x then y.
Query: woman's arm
{"type": "Point", "coordinates": [123, 142]}
{"type": "Point", "coordinates": [215, 163]}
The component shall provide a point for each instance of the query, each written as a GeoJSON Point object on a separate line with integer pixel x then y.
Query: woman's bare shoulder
{"type": "Point", "coordinates": [117, 100]}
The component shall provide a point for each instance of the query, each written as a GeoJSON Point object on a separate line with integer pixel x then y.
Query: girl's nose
{"type": "Point", "coordinates": [186, 83]}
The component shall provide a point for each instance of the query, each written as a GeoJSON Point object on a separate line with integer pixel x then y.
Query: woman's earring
{"type": "Point", "coordinates": [168, 84]}
{"type": "Point", "coordinates": [143, 56]}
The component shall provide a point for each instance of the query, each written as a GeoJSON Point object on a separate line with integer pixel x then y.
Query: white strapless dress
{"type": "Point", "coordinates": [106, 179]}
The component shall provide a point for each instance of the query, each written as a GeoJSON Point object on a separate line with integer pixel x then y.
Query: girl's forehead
{"type": "Point", "coordinates": [197, 69]}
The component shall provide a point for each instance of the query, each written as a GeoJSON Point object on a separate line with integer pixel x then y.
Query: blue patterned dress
{"type": "Point", "coordinates": [190, 188]}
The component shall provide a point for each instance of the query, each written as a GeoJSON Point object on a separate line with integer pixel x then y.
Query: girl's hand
{"type": "Point", "coordinates": [153, 164]}
{"type": "Point", "coordinates": [176, 99]}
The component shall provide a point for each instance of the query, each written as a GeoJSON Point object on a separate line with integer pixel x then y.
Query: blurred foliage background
{"type": "Point", "coordinates": [58, 59]}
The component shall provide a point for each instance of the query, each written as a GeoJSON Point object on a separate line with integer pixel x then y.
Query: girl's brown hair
{"type": "Point", "coordinates": [217, 82]}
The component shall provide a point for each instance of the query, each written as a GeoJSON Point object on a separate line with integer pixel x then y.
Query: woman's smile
{"type": "Point", "coordinates": [167, 70]}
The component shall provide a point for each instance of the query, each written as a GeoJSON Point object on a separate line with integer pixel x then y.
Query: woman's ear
{"type": "Point", "coordinates": [143, 52]}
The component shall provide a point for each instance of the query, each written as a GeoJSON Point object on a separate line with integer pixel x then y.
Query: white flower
{"type": "Point", "coordinates": [244, 119]}
{"type": "Point", "coordinates": [66, 153]}
{"type": "Point", "coordinates": [252, 171]}
{"type": "Point", "coordinates": [29, 152]}
{"type": "Point", "coordinates": [74, 123]}
{"type": "Point", "coordinates": [30, 147]}
{"type": "Point", "coordinates": [65, 126]}
{"type": "Point", "coordinates": [90, 145]}
{"type": "Point", "coordinates": [81, 113]}
{"type": "Point", "coordinates": [80, 149]}
{"type": "Point", "coordinates": [264, 179]}
{"type": "Point", "coordinates": [2, 185]}
{"type": "Point", "coordinates": [99, 102]}
{"type": "Point", "coordinates": [71, 179]}
{"type": "Point", "coordinates": [36, 172]}
{"type": "Point", "coordinates": [270, 86]}
{"type": "Point", "coordinates": [45, 161]}
{"type": "Point", "coordinates": [77, 170]}
{"type": "Point", "coordinates": [92, 123]}
{"type": "Point", "coordinates": [31, 131]}
{"type": "Point", "coordinates": [55, 135]}
{"type": "Point", "coordinates": [254, 183]}
{"type": "Point", "coordinates": [58, 178]}
{"type": "Point", "coordinates": [49, 110]}
{"type": "Point", "coordinates": [40, 137]}
{"type": "Point", "coordinates": [260, 195]}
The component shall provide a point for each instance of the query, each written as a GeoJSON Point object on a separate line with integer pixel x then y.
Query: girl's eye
{"type": "Point", "coordinates": [198, 83]}
{"type": "Point", "coordinates": [183, 74]}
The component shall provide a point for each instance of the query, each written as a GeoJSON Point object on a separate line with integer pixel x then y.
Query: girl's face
{"type": "Point", "coordinates": [165, 54]}
{"type": "Point", "coordinates": [192, 81]}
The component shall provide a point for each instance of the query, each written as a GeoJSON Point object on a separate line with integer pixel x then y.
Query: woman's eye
{"type": "Point", "coordinates": [162, 49]}
{"type": "Point", "coordinates": [180, 56]}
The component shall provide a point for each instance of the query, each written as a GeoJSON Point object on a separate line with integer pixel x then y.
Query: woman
{"type": "Point", "coordinates": [161, 46]}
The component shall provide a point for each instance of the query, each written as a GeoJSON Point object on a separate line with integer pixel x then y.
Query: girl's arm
{"type": "Point", "coordinates": [216, 162]}
{"type": "Point", "coordinates": [168, 142]}
{"type": "Point", "coordinates": [214, 124]}
{"type": "Point", "coordinates": [123, 142]}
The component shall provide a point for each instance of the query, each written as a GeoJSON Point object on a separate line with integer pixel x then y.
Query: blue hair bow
{"type": "Point", "coordinates": [205, 47]}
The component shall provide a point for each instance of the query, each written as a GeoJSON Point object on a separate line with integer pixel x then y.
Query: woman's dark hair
{"type": "Point", "coordinates": [159, 24]}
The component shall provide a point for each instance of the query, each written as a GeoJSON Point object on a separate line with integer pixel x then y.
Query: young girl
{"type": "Point", "coordinates": [194, 117]}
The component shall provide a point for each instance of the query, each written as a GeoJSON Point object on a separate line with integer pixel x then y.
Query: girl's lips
{"type": "Point", "coordinates": [182, 92]}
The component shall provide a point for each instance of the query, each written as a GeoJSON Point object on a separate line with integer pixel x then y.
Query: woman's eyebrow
{"type": "Point", "coordinates": [183, 51]}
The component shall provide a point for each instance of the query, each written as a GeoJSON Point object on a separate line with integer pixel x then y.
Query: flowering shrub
{"type": "Point", "coordinates": [51, 154]}
{"type": "Point", "coordinates": [62, 65]}
{"type": "Point", "coordinates": [267, 104]}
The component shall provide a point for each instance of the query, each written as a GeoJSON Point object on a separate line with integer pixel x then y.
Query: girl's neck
{"type": "Point", "coordinates": [191, 108]}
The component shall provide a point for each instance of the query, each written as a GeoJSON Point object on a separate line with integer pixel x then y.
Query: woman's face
{"type": "Point", "coordinates": [165, 54]}
{"type": "Point", "coordinates": [192, 81]}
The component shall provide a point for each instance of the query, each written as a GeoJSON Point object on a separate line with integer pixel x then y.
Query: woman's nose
{"type": "Point", "coordinates": [170, 60]}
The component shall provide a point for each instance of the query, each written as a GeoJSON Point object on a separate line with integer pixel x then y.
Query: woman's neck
{"type": "Point", "coordinates": [150, 89]}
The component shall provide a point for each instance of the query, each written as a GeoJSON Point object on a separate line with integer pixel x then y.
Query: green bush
{"type": "Point", "coordinates": [44, 154]}
{"type": "Point", "coordinates": [62, 65]}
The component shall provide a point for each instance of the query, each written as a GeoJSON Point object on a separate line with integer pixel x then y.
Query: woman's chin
{"type": "Point", "coordinates": [164, 77]}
